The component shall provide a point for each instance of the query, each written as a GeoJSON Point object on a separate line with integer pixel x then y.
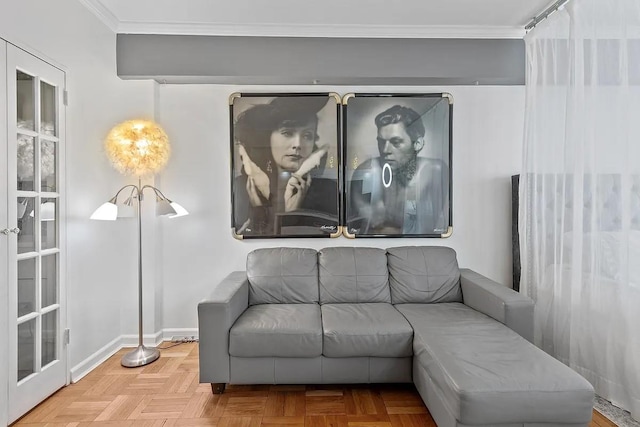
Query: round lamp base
{"type": "Point", "coordinates": [140, 356]}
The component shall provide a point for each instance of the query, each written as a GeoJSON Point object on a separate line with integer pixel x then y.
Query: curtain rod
{"type": "Point", "coordinates": [548, 11]}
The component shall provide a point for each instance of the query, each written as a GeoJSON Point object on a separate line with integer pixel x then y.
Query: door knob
{"type": "Point", "coordinates": [6, 231]}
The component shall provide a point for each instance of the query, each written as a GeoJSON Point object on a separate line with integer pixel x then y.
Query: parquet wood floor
{"type": "Point", "coordinates": [167, 393]}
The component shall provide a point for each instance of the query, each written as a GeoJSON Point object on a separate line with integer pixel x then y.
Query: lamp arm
{"type": "Point", "coordinates": [129, 199]}
{"type": "Point", "coordinates": [159, 193]}
{"type": "Point", "coordinates": [133, 188]}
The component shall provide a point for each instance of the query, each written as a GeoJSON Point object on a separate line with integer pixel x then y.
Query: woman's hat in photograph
{"type": "Point", "coordinates": [255, 124]}
{"type": "Point", "coordinates": [297, 106]}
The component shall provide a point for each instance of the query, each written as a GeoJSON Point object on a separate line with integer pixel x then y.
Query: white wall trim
{"type": "Point", "coordinates": [147, 339]}
{"type": "Point", "coordinates": [321, 30]}
{"type": "Point", "coordinates": [104, 14]}
{"type": "Point", "coordinates": [123, 341]}
{"type": "Point", "coordinates": [301, 30]}
{"type": "Point", "coordinates": [93, 361]}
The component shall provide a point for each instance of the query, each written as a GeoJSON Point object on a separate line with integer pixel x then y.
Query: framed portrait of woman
{"type": "Point", "coordinates": [397, 151]}
{"type": "Point", "coordinates": [285, 165]}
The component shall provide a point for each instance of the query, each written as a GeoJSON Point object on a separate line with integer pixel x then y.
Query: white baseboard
{"type": "Point", "coordinates": [147, 340]}
{"type": "Point", "coordinates": [100, 356]}
{"type": "Point", "coordinates": [93, 361]}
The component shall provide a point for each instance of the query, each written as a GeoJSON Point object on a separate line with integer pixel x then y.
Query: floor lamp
{"type": "Point", "coordinates": [140, 148]}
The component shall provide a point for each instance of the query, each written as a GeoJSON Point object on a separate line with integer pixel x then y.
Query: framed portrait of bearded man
{"type": "Point", "coordinates": [285, 165]}
{"type": "Point", "coordinates": [397, 160]}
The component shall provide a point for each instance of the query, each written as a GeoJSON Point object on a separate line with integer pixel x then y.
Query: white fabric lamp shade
{"type": "Point", "coordinates": [163, 207]}
{"type": "Point", "coordinates": [106, 212]}
{"type": "Point", "coordinates": [180, 211]}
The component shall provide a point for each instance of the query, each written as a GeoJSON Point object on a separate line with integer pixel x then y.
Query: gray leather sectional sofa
{"type": "Point", "coordinates": [407, 314]}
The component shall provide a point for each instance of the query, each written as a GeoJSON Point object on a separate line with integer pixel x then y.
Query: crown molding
{"type": "Point", "coordinates": [302, 30]}
{"type": "Point", "coordinates": [98, 9]}
{"type": "Point", "coordinates": [321, 30]}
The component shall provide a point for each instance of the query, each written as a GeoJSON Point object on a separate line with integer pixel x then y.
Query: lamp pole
{"type": "Point", "coordinates": [141, 355]}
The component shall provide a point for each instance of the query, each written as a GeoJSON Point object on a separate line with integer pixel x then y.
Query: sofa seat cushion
{"type": "Point", "coordinates": [277, 330]}
{"type": "Point", "coordinates": [365, 329]}
{"type": "Point", "coordinates": [488, 374]}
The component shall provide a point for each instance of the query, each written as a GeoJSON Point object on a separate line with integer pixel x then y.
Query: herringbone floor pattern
{"type": "Point", "coordinates": [167, 393]}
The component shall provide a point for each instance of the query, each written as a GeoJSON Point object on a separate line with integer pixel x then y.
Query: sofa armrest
{"type": "Point", "coordinates": [503, 304]}
{"type": "Point", "coordinates": [216, 314]}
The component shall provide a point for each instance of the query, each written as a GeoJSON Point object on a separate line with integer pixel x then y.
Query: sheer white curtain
{"type": "Point", "coordinates": [580, 192]}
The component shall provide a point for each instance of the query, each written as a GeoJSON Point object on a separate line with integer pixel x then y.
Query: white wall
{"type": "Point", "coordinates": [101, 257]}
{"type": "Point", "coordinates": [188, 255]}
{"type": "Point", "coordinates": [198, 250]}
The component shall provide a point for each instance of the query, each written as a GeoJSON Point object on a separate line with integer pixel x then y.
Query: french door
{"type": "Point", "coordinates": [3, 241]}
{"type": "Point", "coordinates": [34, 230]}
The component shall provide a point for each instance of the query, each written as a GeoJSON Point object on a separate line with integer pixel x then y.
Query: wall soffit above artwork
{"type": "Point", "coordinates": [320, 61]}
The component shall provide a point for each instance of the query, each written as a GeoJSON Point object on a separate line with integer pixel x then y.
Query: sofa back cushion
{"type": "Point", "coordinates": [353, 275]}
{"type": "Point", "coordinates": [283, 276]}
{"type": "Point", "coordinates": [423, 274]}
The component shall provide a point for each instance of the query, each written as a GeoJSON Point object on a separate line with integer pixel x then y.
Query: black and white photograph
{"type": "Point", "coordinates": [285, 165]}
{"type": "Point", "coordinates": [397, 161]}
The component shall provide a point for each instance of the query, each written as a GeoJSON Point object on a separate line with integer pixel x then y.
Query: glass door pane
{"type": "Point", "coordinates": [49, 337]}
{"type": "Point", "coordinates": [26, 221]}
{"type": "Point", "coordinates": [26, 286]}
{"type": "Point", "coordinates": [48, 160]}
{"type": "Point", "coordinates": [26, 349]}
{"type": "Point", "coordinates": [25, 84]}
{"type": "Point", "coordinates": [48, 223]}
{"type": "Point", "coordinates": [49, 279]}
{"type": "Point", "coordinates": [26, 160]}
{"type": "Point", "coordinates": [47, 109]}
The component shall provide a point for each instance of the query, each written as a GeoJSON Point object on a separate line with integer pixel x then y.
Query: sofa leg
{"type": "Point", "coordinates": [217, 388]}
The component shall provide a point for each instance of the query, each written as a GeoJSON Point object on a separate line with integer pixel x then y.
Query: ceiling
{"type": "Point", "coordinates": [323, 18]}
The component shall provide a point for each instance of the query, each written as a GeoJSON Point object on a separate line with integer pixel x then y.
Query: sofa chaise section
{"type": "Point", "coordinates": [471, 365]}
{"type": "Point", "coordinates": [485, 373]}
